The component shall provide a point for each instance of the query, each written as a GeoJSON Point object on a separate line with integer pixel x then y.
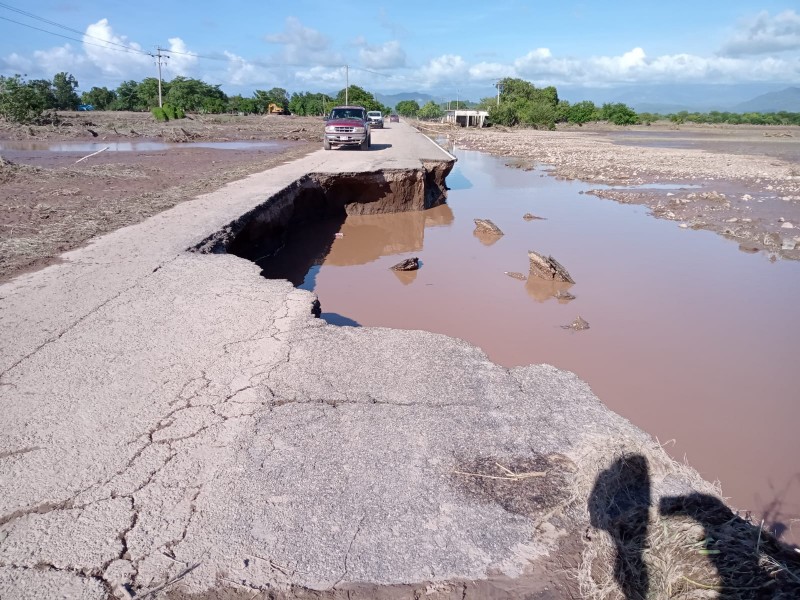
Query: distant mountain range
{"type": "Point", "coordinates": [788, 100]}
{"type": "Point", "coordinates": [393, 99]}
{"type": "Point", "coordinates": [665, 99]}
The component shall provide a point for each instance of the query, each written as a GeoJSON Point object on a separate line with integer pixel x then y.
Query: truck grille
{"type": "Point", "coordinates": [343, 129]}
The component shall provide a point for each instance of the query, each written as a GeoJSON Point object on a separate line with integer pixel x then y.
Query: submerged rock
{"type": "Point", "coordinates": [532, 217]}
{"type": "Point", "coordinates": [409, 264]}
{"type": "Point", "coordinates": [515, 275]}
{"type": "Point", "coordinates": [486, 226]}
{"type": "Point", "coordinates": [578, 324]}
{"type": "Point", "coordinates": [547, 267]}
{"type": "Point", "coordinates": [563, 296]}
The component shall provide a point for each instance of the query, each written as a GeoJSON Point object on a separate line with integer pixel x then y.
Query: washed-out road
{"type": "Point", "coordinates": [171, 423]}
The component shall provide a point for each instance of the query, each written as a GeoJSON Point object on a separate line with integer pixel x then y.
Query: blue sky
{"type": "Point", "coordinates": [409, 45]}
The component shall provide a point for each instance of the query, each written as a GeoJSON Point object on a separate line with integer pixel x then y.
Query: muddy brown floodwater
{"type": "Point", "coordinates": [691, 339]}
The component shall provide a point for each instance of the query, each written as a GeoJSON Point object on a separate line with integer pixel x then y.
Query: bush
{"type": "Point", "coordinates": [169, 110]}
{"type": "Point", "coordinates": [179, 113]}
{"type": "Point", "coordinates": [159, 114]}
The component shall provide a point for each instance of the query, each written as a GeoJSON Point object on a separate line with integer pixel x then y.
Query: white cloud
{"type": "Point", "coordinates": [448, 68]}
{"type": "Point", "coordinates": [327, 75]}
{"type": "Point", "coordinates": [110, 58]}
{"type": "Point", "coordinates": [484, 71]}
{"type": "Point", "coordinates": [384, 56]}
{"type": "Point", "coordinates": [181, 60]}
{"type": "Point", "coordinates": [764, 33]}
{"type": "Point", "coordinates": [303, 45]}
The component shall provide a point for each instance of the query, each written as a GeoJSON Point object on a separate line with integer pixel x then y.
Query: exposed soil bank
{"type": "Point", "coordinates": [750, 175]}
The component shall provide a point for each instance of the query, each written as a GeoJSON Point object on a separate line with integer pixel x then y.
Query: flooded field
{"type": "Point", "coordinates": [689, 338]}
{"type": "Point", "coordinates": [149, 146]}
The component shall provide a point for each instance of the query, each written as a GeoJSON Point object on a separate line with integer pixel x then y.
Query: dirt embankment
{"type": "Point", "coordinates": [49, 204]}
{"type": "Point", "coordinates": [742, 182]}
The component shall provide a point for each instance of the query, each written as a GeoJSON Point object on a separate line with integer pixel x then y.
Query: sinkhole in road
{"type": "Point", "coordinates": [689, 338]}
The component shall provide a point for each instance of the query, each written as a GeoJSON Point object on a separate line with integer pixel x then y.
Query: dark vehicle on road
{"type": "Point", "coordinates": [347, 126]}
{"type": "Point", "coordinates": [394, 119]}
{"type": "Point", "coordinates": [375, 119]}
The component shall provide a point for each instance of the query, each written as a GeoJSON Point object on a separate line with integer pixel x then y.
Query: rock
{"type": "Point", "coordinates": [547, 268]}
{"type": "Point", "coordinates": [788, 245]}
{"type": "Point", "coordinates": [515, 275]}
{"type": "Point", "coordinates": [748, 248]}
{"type": "Point", "coordinates": [732, 220]}
{"type": "Point", "coordinates": [563, 296]}
{"type": "Point", "coordinates": [747, 197]}
{"type": "Point", "coordinates": [531, 217]}
{"type": "Point", "coordinates": [409, 264]}
{"type": "Point", "coordinates": [772, 239]}
{"type": "Point", "coordinates": [683, 226]}
{"type": "Point", "coordinates": [787, 225]}
{"type": "Point", "coordinates": [781, 220]}
{"type": "Point", "coordinates": [578, 324]}
{"type": "Point", "coordinates": [486, 226]}
{"type": "Point", "coordinates": [714, 196]}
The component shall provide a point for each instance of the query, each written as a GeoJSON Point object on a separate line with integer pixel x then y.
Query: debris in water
{"type": "Point", "coordinates": [532, 217]}
{"type": "Point", "coordinates": [578, 324]}
{"type": "Point", "coordinates": [338, 235]}
{"type": "Point", "coordinates": [486, 226]}
{"type": "Point", "coordinates": [516, 275]}
{"type": "Point", "coordinates": [563, 296]}
{"type": "Point", "coordinates": [547, 267]}
{"type": "Point", "coordinates": [409, 264]}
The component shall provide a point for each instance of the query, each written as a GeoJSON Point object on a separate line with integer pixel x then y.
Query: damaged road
{"type": "Point", "coordinates": [175, 424]}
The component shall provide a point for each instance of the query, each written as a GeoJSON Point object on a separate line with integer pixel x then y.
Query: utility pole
{"type": "Point", "coordinates": [499, 86]}
{"type": "Point", "coordinates": [158, 57]}
{"type": "Point", "coordinates": [347, 84]}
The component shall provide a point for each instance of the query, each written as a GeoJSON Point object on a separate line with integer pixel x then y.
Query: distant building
{"type": "Point", "coordinates": [466, 118]}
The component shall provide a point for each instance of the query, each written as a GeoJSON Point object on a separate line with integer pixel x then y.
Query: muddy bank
{"type": "Point", "coordinates": [748, 191]}
{"type": "Point", "coordinates": [50, 204]}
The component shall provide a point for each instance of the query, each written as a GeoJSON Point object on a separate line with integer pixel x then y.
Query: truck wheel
{"type": "Point", "coordinates": [365, 143]}
{"type": "Point", "coordinates": [326, 144]}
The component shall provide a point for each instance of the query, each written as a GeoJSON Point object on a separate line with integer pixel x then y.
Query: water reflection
{"type": "Point", "coordinates": [542, 290]}
{"type": "Point", "coordinates": [367, 238]}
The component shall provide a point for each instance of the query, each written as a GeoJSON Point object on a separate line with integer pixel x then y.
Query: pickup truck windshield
{"type": "Point", "coordinates": [343, 113]}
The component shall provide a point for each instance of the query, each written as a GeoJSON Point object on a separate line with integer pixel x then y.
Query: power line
{"type": "Point", "coordinates": [66, 37]}
{"type": "Point", "coordinates": [55, 24]}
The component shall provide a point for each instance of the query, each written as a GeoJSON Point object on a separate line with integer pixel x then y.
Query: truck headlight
{"type": "Point", "coordinates": [330, 130]}
{"type": "Point", "coordinates": [359, 129]}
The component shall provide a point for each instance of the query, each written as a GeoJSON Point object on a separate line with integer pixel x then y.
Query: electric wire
{"type": "Point", "coordinates": [54, 24]}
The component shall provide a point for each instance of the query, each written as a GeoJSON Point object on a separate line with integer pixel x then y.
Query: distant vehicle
{"type": "Point", "coordinates": [394, 119]}
{"type": "Point", "coordinates": [375, 119]}
{"type": "Point", "coordinates": [347, 126]}
{"type": "Point", "coordinates": [85, 107]}
{"type": "Point", "coordinates": [274, 109]}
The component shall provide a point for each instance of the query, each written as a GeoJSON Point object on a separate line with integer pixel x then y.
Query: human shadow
{"type": "Point", "coordinates": [740, 551]}
{"type": "Point", "coordinates": [620, 504]}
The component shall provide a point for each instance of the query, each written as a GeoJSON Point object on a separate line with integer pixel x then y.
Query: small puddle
{"type": "Point", "coordinates": [31, 146]}
{"type": "Point", "coordinates": [689, 338]}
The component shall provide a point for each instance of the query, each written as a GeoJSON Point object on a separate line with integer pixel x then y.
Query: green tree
{"type": "Point", "coordinates": [43, 89]}
{"type": "Point", "coordinates": [407, 108]}
{"type": "Point", "coordinates": [582, 112]}
{"type": "Point", "coordinates": [431, 110]}
{"type": "Point", "coordinates": [618, 113]}
{"type": "Point", "coordinates": [276, 95]}
{"type": "Point", "coordinates": [64, 86]}
{"type": "Point", "coordinates": [127, 96]}
{"type": "Point", "coordinates": [19, 102]}
{"type": "Point", "coordinates": [100, 97]}
{"type": "Point", "coordinates": [360, 97]}
{"type": "Point", "coordinates": [147, 93]}
{"type": "Point", "coordinates": [194, 95]}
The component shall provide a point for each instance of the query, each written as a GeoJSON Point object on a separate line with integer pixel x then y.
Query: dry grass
{"type": "Point", "coordinates": [652, 537]}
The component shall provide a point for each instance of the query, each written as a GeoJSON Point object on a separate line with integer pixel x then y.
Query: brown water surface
{"type": "Point", "coordinates": [690, 339]}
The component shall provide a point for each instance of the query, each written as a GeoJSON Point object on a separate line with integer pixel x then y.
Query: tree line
{"type": "Point", "coordinates": [26, 101]}
{"type": "Point", "coordinates": [520, 103]}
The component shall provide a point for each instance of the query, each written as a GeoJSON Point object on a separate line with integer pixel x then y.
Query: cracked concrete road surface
{"type": "Point", "coordinates": [173, 421]}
